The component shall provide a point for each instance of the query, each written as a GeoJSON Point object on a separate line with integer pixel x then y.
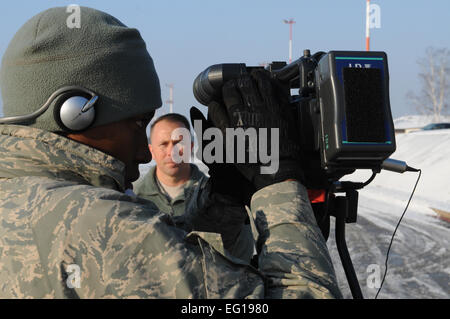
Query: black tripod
{"type": "Point", "coordinates": [345, 210]}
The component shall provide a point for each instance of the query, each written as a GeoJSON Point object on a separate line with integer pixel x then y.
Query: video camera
{"type": "Point", "coordinates": [342, 109]}
{"type": "Point", "coordinates": [344, 123]}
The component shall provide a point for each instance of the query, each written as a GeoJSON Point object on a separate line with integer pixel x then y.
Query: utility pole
{"type": "Point", "coordinates": [170, 100]}
{"type": "Point", "coordinates": [367, 25]}
{"type": "Point", "coordinates": [290, 22]}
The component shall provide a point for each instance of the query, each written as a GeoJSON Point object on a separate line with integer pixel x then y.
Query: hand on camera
{"type": "Point", "coordinates": [226, 183]}
{"type": "Point", "coordinates": [259, 107]}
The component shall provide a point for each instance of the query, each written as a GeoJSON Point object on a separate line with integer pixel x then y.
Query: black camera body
{"type": "Point", "coordinates": [342, 108]}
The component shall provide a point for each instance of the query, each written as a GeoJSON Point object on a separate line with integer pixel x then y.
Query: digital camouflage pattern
{"type": "Point", "coordinates": [148, 188]}
{"type": "Point", "coordinates": [61, 203]}
{"type": "Point", "coordinates": [193, 210]}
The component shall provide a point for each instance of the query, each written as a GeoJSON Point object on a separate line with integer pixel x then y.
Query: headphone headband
{"type": "Point", "coordinates": [66, 89]}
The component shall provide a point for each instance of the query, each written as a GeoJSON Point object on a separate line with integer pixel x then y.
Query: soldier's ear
{"type": "Point", "coordinates": [150, 148]}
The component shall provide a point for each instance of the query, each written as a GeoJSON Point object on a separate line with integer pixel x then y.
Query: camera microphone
{"type": "Point", "coordinates": [397, 166]}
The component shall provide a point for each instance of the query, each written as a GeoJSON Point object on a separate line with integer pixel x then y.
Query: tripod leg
{"type": "Point", "coordinates": [341, 213]}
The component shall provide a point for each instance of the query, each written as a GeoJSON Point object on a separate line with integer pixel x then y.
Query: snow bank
{"type": "Point", "coordinates": [427, 150]}
{"type": "Point", "coordinates": [416, 121]}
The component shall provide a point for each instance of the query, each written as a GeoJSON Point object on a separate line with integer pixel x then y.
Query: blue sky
{"type": "Point", "coordinates": [185, 37]}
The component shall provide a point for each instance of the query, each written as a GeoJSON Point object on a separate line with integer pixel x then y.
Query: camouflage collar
{"type": "Point", "coordinates": [26, 151]}
{"type": "Point", "coordinates": [153, 188]}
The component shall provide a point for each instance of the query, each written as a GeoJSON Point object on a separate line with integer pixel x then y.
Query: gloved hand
{"type": "Point", "coordinates": [257, 101]}
{"type": "Point", "coordinates": [227, 184]}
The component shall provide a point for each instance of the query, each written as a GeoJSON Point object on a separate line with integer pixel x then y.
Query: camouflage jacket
{"type": "Point", "coordinates": [68, 231]}
{"type": "Point", "coordinates": [189, 212]}
{"type": "Point", "coordinates": [148, 188]}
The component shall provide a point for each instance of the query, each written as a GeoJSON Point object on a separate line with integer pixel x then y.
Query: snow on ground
{"type": "Point", "coordinates": [426, 150]}
{"type": "Point", "coordinates": [419, 262]}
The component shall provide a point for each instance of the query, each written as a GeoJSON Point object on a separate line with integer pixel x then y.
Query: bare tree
{"type": "Point", "coordinates": [434, 97]}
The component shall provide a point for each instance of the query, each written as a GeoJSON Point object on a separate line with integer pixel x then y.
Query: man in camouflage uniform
{"type": "Point", "coordinates": [190, 184]}
{"type": "Point", "coordinates": [170, 185]}
{"type": "Point", "coordinates": [62, 192]}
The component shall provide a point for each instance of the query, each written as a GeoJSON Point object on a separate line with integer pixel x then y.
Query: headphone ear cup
{"type": "Point", "coordinates": [68, 112]}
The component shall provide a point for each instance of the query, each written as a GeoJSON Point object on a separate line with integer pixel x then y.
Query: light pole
{"type": "Point", "coordinates": [368, 25]}
{"type": "Point", "coordinates": [170, 100]}
{"type": "Point", "coordinates": [290, 22]}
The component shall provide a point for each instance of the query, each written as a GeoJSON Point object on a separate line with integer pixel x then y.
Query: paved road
{"type": "Point", "coordinates": [419, 260]}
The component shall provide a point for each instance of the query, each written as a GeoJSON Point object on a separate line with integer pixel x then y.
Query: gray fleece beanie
{"type": "Point", "coordinates": [103, 55]}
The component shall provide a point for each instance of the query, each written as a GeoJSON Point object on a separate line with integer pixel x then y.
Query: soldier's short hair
{"type": "Point", "coordinates": [171, 117]}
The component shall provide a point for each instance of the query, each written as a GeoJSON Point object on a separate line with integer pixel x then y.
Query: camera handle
{"type": "Point", "coordinates": [345, 211]}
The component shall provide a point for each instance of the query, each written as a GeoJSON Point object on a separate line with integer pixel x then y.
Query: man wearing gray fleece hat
{"type": "Point", "coordinates": [77, 102]}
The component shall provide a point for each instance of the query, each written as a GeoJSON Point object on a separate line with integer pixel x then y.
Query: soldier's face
{"type": "Point", "coordinates": [163, 146]}
{"type": "Point", "coordinates": [125, 140]}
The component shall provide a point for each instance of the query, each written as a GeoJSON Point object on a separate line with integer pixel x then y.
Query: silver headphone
{"type": "Point", "coordinates": [75, 112]}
